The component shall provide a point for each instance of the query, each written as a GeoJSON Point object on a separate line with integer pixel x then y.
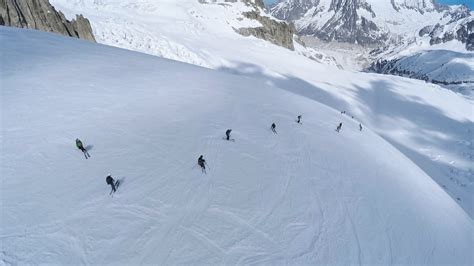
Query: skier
{"type": "Point", "coordinates": [227, 133]}
{"type": "Point", "coordinates": [110, 181]}
{"type": "Point", "coordinates": [339, 127]}
{"type": "Point", "coordinates": [273, 128]}
{"type": "Point", "coordinates": [202, 163]}
{"type": "Point", "coordinates": [360, 127]}
{"type": "Point", "coordinates": [81, 147]}
{"type": "Point", "coordinates": [299, 119]}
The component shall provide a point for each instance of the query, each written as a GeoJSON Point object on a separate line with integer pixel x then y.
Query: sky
{"type": "Point", "coordinates": [469, 3]}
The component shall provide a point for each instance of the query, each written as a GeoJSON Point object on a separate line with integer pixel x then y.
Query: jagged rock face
{"type": "Point", "coordinates": [258, 3]}
{"type": "Point", "coordinates": [462, 31]}
{"type": "Point", "coordinates": [279, 33]}
{"type": "Point", "coordinates": [365, 22]}
{"type": "Point", "coordinates": [343, 22]}
{"type": "Point", "coordinates": [292, 10]}
{"type": "Point", "coordinates": [41, 15]}
{"type": "Point", "coordinates": [417, 5]}
{"type": "Point", "coordinates": [350, 27]}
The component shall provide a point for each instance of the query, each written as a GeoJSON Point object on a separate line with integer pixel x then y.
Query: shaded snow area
{"type": "Point", "coordinates": [448, 64]}
{"type": "Point", "coordinates": [304, 196]}
{"type": "Point", "coordinates": [452, 69]}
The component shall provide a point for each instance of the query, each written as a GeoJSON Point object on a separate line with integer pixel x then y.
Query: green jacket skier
{"type": "Point", "coordinates": [81, 147]}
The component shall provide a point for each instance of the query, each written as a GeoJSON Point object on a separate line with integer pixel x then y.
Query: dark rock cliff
{"type": "Point", "coordinates": [41, 15]}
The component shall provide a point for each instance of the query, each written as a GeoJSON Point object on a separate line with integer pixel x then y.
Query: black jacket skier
{"type": "Point", "coordinates": [339, 127]}
{"type": "Point", "coordinates": [81, 147]}
{"type": "Point", "coordinates": [227, 133]}
{"type": "Point", "coordinates": [360, 127]}
{"type": "Point", "coordinates": [273, 128]}
{"type": "Point", "coordinates": [299, 119]}
{"type": "Point", "coordinates": [110, 181]}
{"type": "Point", "coordinates": [202, 163]}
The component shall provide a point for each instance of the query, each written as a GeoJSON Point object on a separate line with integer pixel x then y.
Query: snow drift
{"type": "Point", "coordinates": [307, 195]}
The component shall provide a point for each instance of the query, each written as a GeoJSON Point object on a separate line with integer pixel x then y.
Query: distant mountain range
{"type": "Point", "coordinates": [372, 22]}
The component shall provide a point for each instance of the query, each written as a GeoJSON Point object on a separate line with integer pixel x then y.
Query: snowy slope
{"type": "Point", "coordinates": [304, 196]}
{"type": "Point", "coordinates": [433, 128]}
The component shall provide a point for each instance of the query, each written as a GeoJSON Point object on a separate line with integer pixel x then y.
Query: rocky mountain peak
{"type": "Point", "coordinates": [364, 22]}
{"type": "Point", "coordinates": [41, 15]}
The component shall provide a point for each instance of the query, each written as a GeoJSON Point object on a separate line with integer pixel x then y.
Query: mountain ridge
{"type": "Point", "coordinates": [365, 22]}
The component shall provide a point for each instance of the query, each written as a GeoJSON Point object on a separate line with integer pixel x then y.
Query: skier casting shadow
{"type": "Point", "coordinates": [299, 119]}
{"type": "Point", "coordinates": [81, 147]}
{"type": "Point", "coordinates": [339, 127]}
{"type": "Point", "coordinates": [110, 181]}
{"type": "Point", "coordinates": [202, 163]}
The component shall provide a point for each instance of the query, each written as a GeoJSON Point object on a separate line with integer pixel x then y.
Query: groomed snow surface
{"type": "Point", "coordinates": [305, 196]}
{"type": "Point", "coordinates": [430, 125]}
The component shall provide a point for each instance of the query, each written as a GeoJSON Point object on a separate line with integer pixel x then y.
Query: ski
{"type": "Point", "coordinates": [117, 184]}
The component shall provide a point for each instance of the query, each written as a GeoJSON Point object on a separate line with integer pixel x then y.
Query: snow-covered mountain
{"type": "Point", "coordinates": [365, 22]}
{"type": "Point", "coordinates": [304, 196]}
{"type": "Point", "coordinates": [412, 38]}
{"type": "Point", "coordinates": [196, 32]}
{"type": "Point", "coordinates": [442, 54]}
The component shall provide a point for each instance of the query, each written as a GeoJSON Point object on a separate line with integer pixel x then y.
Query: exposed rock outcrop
{"type": "Point", "coordinates": [41, 15]}
{"type": "Point", "coordinates": [276, 32]}
{"type": "Point", "coordinates": [462, 31]}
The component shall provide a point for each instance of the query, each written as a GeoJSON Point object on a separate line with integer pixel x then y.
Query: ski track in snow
{"type": "Point", "coordinates": [307, 195]}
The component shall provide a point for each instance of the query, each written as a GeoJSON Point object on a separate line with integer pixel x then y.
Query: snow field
{"type": "Point", "coordinates": [307, 195]}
